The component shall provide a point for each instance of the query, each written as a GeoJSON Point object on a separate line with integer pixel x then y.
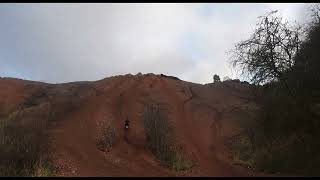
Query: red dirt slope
{"type": "Point", "coordinates": [200, 114]}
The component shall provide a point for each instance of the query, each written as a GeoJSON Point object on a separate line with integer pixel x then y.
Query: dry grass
{"type": "Point", "coordinates": [106, 136]}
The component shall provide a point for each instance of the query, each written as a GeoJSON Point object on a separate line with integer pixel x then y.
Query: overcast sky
{"type": "Point", "coordinates": [77, 42]}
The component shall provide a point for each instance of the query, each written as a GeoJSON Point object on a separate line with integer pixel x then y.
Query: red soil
{"type": "Point", "coordinates": [197, 113]}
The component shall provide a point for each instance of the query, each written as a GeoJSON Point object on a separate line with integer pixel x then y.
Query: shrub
{"type": "Point", "coordinates": [157, 130]}
{"type": "Point", "coordinates": [242, 151]}
{"type": "Point", "coordinates": [180, 163]}
{"type": "Point", "coordinates": [22, 143]}
{"type": "Point", "coordinates": [106, 137]}
{"type": "Point", "coordinates": [160, 139]}
{"type": "Point", "coordinates": [23, 140]}
{"type": "Point", "coordinates": [43, 169]}
{"type": "Point", "coordinates": [216, 78]}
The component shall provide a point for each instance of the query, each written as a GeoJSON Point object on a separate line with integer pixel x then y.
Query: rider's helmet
{"type": "Point", "coordinates": [126, 124]}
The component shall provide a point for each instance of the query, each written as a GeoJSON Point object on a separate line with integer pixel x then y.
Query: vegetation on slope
{"type": "Point", "coordinates": [106, 137]}
{"type": "Point", "coordinates": [160, 139]}
{"type": "Point", "coordinates": [22, 147]}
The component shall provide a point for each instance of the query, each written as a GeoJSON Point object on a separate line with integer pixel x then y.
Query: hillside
{"type": "Point", "coordinates": [73, 115]}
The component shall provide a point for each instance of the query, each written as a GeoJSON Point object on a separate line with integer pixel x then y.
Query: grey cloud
{"type": "Point", "coordinates": [73, 42]}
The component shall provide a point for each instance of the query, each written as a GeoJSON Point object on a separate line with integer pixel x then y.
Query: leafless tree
{"type": "Point", "coordinates": [315, 13]}
{"type": "Point", "coordinates": [269, 53]}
